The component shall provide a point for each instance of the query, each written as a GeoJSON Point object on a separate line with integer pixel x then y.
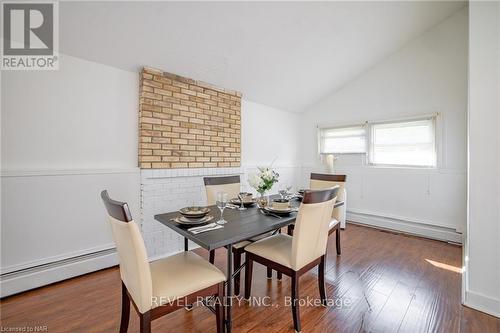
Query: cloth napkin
{"type": "Point", "coordinates": [205, 228]}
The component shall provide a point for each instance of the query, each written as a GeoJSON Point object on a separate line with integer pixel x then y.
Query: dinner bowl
{"type": "Point", "coordinates": [281, 204]}
{"type": "Point", "coordinates": [194, 211]}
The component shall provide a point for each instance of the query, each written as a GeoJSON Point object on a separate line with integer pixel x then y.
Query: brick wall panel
{"type": "Point", "coordinates": [186, 123]}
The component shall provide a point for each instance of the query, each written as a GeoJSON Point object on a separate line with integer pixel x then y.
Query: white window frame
{"type": "Point", "coordinates": [368, 125]}
{"type": "Point", "coordinates": [370, 153]}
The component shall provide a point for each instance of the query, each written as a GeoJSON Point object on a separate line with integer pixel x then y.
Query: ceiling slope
{"type": "Point", "coordinates": [283, 54]}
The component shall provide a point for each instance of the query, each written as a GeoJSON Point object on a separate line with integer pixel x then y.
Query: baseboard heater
{"type": "Point", "coordinates": [37, 276]}
{"type": "Point", "coordinates": [405, 226]}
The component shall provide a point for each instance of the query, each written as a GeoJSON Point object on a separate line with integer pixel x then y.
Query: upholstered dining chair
{"type": "Point", "coordinates": [162, 286]}
{"type": "Point", "coordinates": [232, 186]}
{"type": "Point", "coordinates": [296, 255]}
{"type": "Point", "coordinates": [229, 184]}
{"type": "Point", "coordinates": [321, 181]}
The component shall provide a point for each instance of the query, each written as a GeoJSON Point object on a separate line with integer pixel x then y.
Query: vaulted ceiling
{"type": "Point", "coordinates": [283, 54]}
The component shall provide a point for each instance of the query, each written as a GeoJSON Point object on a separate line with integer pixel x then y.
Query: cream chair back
{"type": "Point", "coordinates": [310, 234]}
{"type": "Point", "coordinates": [320, 181]}
{"type": "Point", "coordinates": [229, 184]}
{"type": "Point", "coordinates": [134, 266]}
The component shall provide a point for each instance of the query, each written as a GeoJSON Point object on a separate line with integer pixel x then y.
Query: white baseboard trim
{"type": "Point", "coordinates": [406, 226]}
{"type": "Point", "coordinates": [482, 303]}
{"type": "Point", "coordinates": [30, 278]}
{"type": "Point", "coordinates": [53, 259]}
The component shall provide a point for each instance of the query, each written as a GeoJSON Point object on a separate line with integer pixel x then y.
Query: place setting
{"type": "Point", "coordinates": [242, 202]}
{"type": "Point", "coordinates": [196, 219]}
{"type": "Point", "coordinates": [285, 191]}
{"type": "Point", "coordinates": [279, 208]}
{"type": "Point", "coordinates": [298, 195]}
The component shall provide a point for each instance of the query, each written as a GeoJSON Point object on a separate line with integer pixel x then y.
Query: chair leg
{"type": "Point", "coordinates": [145, 322]}
{"type": "Point", "coordinates": [290, 230]}
{"type": "Point", "coordinates": [337, 240]}
{"type": "Point", "coordinates": [279, 275]}
{"type": "Point", "coordinates": [219, 309]}
{"type": "Point", "coordinates": [125, 310]}
{"type": "Point", "coordinates": [269, 273]}
{"type": "Point", "coordinates": [295, 302]}
{"type": "Point", "coordinates": [237, 277]}
{"type": "Point", "coordinates": [321, 281]}
{"type": "Point", "coordinates": [212, 256]}
{"type": "Point", "coordinates": [248, 276]}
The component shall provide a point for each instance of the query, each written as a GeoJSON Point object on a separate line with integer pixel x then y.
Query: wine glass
{"type": "Point", "coordinates": [221, 204]}
{"type": "Point", "coordinates": [240, 196]}
{"type": "Point", "coordinates": [283, 190]}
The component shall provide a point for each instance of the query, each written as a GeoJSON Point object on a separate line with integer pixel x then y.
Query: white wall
{"type": "Point", "coordinates": [82, 116]}
{"type": "Point", "coordinates": [428, 75]}
{"type": "Point", "coordinates": [66, 135]}
{"type": "Point", "coordinates": [270, 136]}
{"type": "Point", "coordinates": [482, 271]}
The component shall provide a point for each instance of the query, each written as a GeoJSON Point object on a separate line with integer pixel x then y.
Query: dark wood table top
{"type": "Point", "coordinates": [241, 225]}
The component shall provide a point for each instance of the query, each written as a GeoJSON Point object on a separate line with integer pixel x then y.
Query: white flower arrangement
{"type": "Point", "coordinates": [263, 180]}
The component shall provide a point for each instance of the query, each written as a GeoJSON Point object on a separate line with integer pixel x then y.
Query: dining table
{"type": "Point", "coordinates": [241, 225]}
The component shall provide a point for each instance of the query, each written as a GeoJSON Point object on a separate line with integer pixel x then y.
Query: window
{"type": "Point", "coordinates": [346, 140]}
{"type": "Point", "coordinates": [392, 143]}
{"type": "Point", "coordinates": [409, 143]}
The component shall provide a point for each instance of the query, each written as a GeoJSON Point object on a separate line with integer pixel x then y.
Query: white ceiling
{"type": "Point", "coordinates": [283, 54]}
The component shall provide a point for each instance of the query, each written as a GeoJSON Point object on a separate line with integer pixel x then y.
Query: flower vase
{"type": "Point", "coordinates": [263, 200]}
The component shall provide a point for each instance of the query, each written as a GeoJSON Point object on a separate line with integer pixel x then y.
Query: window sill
{"type": "Point", "coordinates": [354, 153]}
{"type": "Point", "coordinates": [404, 167]}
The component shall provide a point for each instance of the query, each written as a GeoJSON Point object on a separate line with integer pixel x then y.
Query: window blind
{"type": "Point", "coordinates": [345, 140]}
{"type": "Point", "coordinates": [403, 143]}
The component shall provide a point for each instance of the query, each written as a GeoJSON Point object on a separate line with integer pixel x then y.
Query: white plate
{"type": "Point", "coordinates": [184, 220]}
{"type": "Point", "coordinates": [237, 202]}
{"type": "Point", "coordinates": [279, 211]}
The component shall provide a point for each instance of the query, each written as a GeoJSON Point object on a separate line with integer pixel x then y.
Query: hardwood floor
{"type": "Point", "coordinates": [386, 283]}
